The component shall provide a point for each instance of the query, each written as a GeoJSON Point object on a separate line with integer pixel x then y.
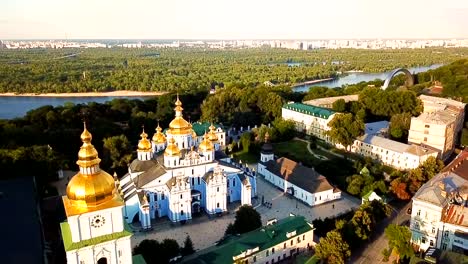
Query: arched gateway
{"type": "Point", "coordinates": [409, 78]}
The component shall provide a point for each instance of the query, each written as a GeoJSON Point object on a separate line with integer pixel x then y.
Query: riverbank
{"type": "Point", "coordinates": [88, 94]}
{"type": "Point", "coordinates": [312, 82]}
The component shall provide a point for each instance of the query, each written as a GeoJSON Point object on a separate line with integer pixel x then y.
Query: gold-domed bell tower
{"type": "Point", "coordinates": [206, 148]}
{"type": "Point", "coordinates": [145, 149]}
{"type": "Point", "coordinates": [171, 154]}
{"type": "Point", "coordinates": [91, 188]}
{"type": "Point", "coordinates": [94, 231]}
{"type": "Point", "coordinates": [159, 140]}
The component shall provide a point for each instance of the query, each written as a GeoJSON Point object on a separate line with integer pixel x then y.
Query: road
{"type": "Point", "coordinates": [372, 251]}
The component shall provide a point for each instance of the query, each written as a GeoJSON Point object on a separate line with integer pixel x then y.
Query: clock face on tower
{"type": "Point", "coordinates": [97, 221]}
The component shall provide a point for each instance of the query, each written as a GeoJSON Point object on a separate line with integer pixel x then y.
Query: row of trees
{"type": "Point", "coordinates": [97, 70]}
{"type": "Point", "coordinates": [154, 251]}
{"type": "Point", "coordinates": [336, 246]}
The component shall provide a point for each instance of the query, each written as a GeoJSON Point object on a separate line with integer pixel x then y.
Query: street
{"type": "Point", "coordinates": [372, 252]}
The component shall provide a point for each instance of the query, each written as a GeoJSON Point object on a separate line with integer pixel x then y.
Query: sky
{"type": "Point", "coordinates": [232, 19]}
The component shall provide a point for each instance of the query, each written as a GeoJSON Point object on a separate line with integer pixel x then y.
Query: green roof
{"type": "Point", "coordinates": [138, 259]}
{"type": "Point", "coordinates": [310, 110]}
{"type": "Point", "coordinates": [200, 128]}
{"type": "Point", "coordinates": [70, 245]}
{"type": "Point", "coordinates": [264, 238]}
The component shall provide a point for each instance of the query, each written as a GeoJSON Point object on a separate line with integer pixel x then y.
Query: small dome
{"type": "Point", "coordinates": [159, 137]}
{"type": "Point", "coordinates": [144, 144]}
{"type": "Point", "coordinates": [172, 149]}
{"type": "Point", "coordinates": [205, 145]}
{"type": "Point", "coordinates": [267, 147]}
{"type": "Point", "coordinates": [212, 134]}
{"type": "Point", "coordinates": [87, 155]}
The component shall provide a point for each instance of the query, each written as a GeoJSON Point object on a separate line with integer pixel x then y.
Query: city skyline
{"type": "Point", "coordinates": [209, 19]}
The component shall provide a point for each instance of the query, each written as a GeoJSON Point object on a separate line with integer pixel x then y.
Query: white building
{"type": "Point", "coordinates": [178, 174]}
{"type": "Point", "coordinates": [304, 183]}
{"type": "Point", "coordinates": [439, 126]}
{"type": "Point", "coordinates": [392, 153]}
{"type": "Point", "coordinates": [273, 243]}
{"type": "Point", "coordinates": [439, 215]}
{"type": "Point", "coordinates": [309, 119]}
{"type": "Point", "coordinates": [95, 231]}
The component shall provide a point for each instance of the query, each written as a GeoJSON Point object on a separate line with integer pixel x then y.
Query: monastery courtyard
{"type": "Point", "coordinates": [204, 232]}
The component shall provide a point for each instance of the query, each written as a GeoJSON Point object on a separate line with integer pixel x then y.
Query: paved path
{"type": "Point", "coordinates": [318, 156]}
{"type": "Point", "coordinates": [372, 251]}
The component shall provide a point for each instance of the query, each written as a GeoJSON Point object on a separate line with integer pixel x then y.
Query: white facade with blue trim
{"type": "Point", "coordinates": [177, 175]}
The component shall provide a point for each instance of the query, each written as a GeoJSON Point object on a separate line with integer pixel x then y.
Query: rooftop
{"type": "Point", "coordinates": [376, 127]}
{"type": "Point", "coordinates": [331, 100]}
{"type": "Point", "coordinates": [200, 128]}
{"type": "Point", "coordinates": [309, 110]}
{"type": "Point", "coordinates": [459, 165]}
{"type": "Point", "coordinates": [70, 245]}
{"type": "Point", "coordinates": [438, 190]}
{"type": "Point", "coordinates": [443, 117]}
{"type": "Point", "coordinates": [299, 175]}
{"type": "Point", "coordinates": [441, 101]}
{"type": "Point", "coordinates": [256, 240]}
{"type": "Point", "coordinates": [396, 146]}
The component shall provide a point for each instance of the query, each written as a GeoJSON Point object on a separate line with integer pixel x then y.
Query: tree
{"type": "Point", "coordinates": [363, 223]}
{"type": "Point", "coordinates": [399, 189]}
{"type": "Point", "coordinates": [339, 105]}
{"type": "Point", "coordinates": [355, 183]}
{"type": "Point", "coordinates": [247, 219]}
{"type": "Point", "coordinates": [155, 252]}
{"type": "Point", "coordinates": [188, 247]}
{"type": "Point", "coordinates": [344, 129]}
{"type": "Point", "coordinates": [286, 129]}
{"type": "Point", "coordinates": [399, 126]}
{"type": "Point", "coordinates": [117, 152]}
{"type": "Point", "coordinates": [464, 137]}
{"type": "Point", "coordinates": [245, 140]}
{"type": "Point", "coordinates": [399, 240]}
{"type": "Point", "coordinates": [332, 248]}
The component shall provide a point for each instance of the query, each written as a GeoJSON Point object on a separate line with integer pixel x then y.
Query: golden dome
{"type": "Point", "coordinates": [144, 144]}
{"type": "Point", "coordinates": [159, 137]}
{"type": "Point", "coordinates": [179, 126]}
{"type": "Point", "coordinates": [212, 134]}
{"type": "Point", "coordinates": [172, 149]}
{"type": "Point", "coordinates": [91, 190]}
{"type": "Point", "coordinates": [91, 186]}
{"type": "Point", "coordinates": [205, 145]}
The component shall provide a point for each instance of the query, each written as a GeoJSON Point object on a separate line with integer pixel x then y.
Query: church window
{"type": "Point", "coordinates": [120, 253]}
{"type": "Point", "coordinates": [217, 205]}
{"type": "Point", "coordinates": [228, 183]}
{"type": "Point", "coordinates": [284, 245]}
{"type": "Point", "coordinates": [233, 182]}
{"type": "Point", "coordinates": [193, 181]}
{"type": "Point", "coordinates": [174, 162]}
{"type": "Point", "coordinates": [255, 259]}
{"type": "Point", "coordinates": [193, 171]}
{"type": "Point", "coordinates": [162, 196]}
{"type": "Point", "coordinates": [181, 196]}
{"type": "Point", "coordinates": [182, 212]}
{"type": "Point", "coordinates": [217, 189]}
{"type": "Point", "coordinates": [183, 144]}
{"type": "Point", "coordinates": [199, 180]}
{"type": "Point", "coordinates": [273, 250]}
{"type": "Point", "coordinates": [267, 252]}
{"type": "Point", "coordinates": [102, 261]}
{"type": "Point", "coordinates": [292, 242]}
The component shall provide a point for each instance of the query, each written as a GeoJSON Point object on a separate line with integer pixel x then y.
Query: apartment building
{"type": "Point", "coordinates": [439, 125]}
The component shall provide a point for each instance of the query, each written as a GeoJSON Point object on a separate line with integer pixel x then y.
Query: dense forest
{"type": "Point", "coordinates": [169, 69]}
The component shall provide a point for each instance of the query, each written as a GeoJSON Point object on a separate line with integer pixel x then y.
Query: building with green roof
{"type": "Point", "coordinates": [309, 119]}
{"type": "Point", "coordinates": [278, 240]}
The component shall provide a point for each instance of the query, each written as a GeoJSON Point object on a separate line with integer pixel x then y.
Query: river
{"type": "Point", "coordinates": [357, 77]}
{"type": "Point", "coordinates": [18, 106]}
